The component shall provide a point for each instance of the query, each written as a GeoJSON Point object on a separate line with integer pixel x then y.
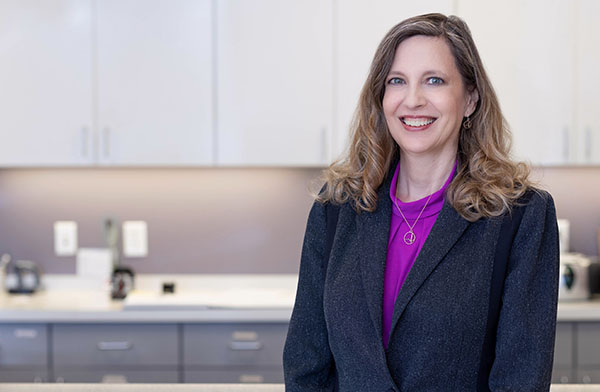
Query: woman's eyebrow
{"type": "Point", "coordinates": [428, 72]}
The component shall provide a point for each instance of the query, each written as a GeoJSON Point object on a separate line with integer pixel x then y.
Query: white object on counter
{"type": "Point", "coordinates": [564, 235]}
{"type": "Point", "coordinates": [574, 283]}
{"type": "Point", "coordinates": [95, 265]}
{"type": "Point", "coordinates": [226, 298]}
{"type": "Point", "coordinates": [4, 260]}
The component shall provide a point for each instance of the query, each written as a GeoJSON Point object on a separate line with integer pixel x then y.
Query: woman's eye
{"type": "Point", "coordinates": [395, 81]}
{"type": "Point", "coordinates": [435, 80]}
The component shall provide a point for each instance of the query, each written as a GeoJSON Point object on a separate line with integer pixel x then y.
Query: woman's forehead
{"type": "Point", "coordinates": [424, 54]}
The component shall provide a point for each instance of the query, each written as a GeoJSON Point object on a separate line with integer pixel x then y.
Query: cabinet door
{"type": "Point", "coordinates": [23, 346]}
{"type": "Point", "coordinates": [154, 82]}
{"type": "Point", "coordinates": [360, 26]}
{"type": "Point", "coordinates": [588, 345]}
{"type": "Point", "coordinates": [26, 376]}
{"type": "Point", "coordinates": [46, 79]}
{"type": "Point", "coordinates": [253, 345]}
{"type": "Point", "coordinates": [114, 346]}
{"type": "Point", "coordinates": [274, 87]}
{"type": "Point", "coordinates": [588, 80]}
{"type": "Point", "coordinates": [563, 369]}
{"type": "Point", "coordinates": [527, 48]}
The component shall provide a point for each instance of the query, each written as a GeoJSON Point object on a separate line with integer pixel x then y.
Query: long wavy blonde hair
{"type": "Point", "coordinates": [487, 182]}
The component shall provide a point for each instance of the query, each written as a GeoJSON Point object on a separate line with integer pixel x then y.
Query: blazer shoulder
{"type": "Point", "coordinates": [537, 206]}
{"type": "Point", "coordinates": [536, 198]}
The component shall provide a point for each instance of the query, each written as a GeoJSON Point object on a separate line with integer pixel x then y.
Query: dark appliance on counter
{"type": "Point", "coordinates": [595, 277]}
{"type": "Point", "coordinates": [23, 277]}
{"type": "Point", "coordinates": [121, 282]}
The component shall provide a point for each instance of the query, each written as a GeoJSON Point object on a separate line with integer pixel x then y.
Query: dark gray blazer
{"type": "Point", "coordinates": [334, 340]}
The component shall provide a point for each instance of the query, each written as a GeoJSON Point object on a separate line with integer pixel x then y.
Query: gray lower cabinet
{"type": "Point", "coordinates": [24, 375]}
{"type": "Point", "coordinates": [23, 353]}
{"type": "Point", "coordinates": [588, 376]}
{"type": "Point", "coordinates": [238, 353]}
{"type": "Point", "coordinates": [588, 352]}
{"type": "Point", "coordinates": [563, 371]}
{"type": "Point", "coordinates": [115, 352]}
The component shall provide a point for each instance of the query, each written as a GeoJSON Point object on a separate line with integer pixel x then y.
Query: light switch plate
{"type": "Point", "coordinates": [135, 239]}
{"type": "Point", "coordinates": [65, 238]}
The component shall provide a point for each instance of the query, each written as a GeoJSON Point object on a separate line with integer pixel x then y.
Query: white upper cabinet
{"type": "Point", "coordinates": [528, 50]}
{"type": "Point", "coordinates": [154, 81]}
{"type": "Point", "coordinates": [360, 26]}
{"type": "Point", "coordinates": [45, 83]}
{"type": "Point", "coordinates": [274, 82]}
{"type": "Point", "coordinates": [587, 99]}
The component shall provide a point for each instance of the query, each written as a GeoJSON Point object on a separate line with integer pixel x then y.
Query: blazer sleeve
{"type": "Point", "coordinates": [307, 360]}
{"type": "Point", "coordinates": [527, 322]}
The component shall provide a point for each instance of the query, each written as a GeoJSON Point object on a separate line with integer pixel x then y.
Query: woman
{"type": "Point", "coordinates": [442, 271]}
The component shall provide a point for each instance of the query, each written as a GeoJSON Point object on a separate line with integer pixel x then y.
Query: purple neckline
{"type": "Point", "coordinates": [413, 209]}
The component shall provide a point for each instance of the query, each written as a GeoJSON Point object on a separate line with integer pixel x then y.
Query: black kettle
{"type": "Point", "coordinates": [23, 277]}
{"type": "Point", "coordinates": [121, 282]}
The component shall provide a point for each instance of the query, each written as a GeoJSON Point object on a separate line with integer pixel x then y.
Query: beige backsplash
{"type": "Point", "coordinates": [210, 220]}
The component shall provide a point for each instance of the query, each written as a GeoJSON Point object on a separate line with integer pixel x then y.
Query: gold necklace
{"type": "Point", "coordinates": [409, 236]}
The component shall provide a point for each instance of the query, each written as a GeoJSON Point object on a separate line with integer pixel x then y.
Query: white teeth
{"type": "Point", "coordinates": [417, 122]}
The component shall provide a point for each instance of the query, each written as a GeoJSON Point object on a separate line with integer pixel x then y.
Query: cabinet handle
{"type": "Point", "coordinates": [252, 378]}
{"type": "Point", "coordinates": [245, 346]}
{"type": "Point", "coordinates": [324, 144]}
{"type": "Point", "coordinates": [85, 134]}
{"type": "Point", "coordinates": [106, 141]}
{"type": "Point", "coordinates": [586, 379]}
{"type": "Point", "coordinates": [114, 346]}
{"type": "Point", "coordinates": [25, 333]}
{"type": "Point", "coordinates": [114, 379]}
{"type": "Point", "coordinates": [566, 144]}
{"type": "Point", "coordinates": [588, 144]}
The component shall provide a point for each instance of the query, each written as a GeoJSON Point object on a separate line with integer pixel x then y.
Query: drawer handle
{"type": "Point", "coordinates": [251, 379]}
{"type": "Point", "coordinates": [245, 346]}
{"type": "Point", "coordinates": [25, 333]}
{"type": "Point", "coordinates": [114, 346]}
{"type": "Point", "coordinates": [114, 379]}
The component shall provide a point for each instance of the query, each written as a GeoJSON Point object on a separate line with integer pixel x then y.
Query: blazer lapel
{"type": "Point", "coordinates": [447, 229]}
{"type": "Point", "coordinates": [374, 228]}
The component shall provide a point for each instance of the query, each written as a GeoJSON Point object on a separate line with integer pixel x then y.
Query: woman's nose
{"type": "Point", "coordinates": [414, 97]}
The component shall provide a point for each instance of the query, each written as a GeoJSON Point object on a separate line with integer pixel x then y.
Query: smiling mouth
{"type": "Point", "coordinates": [417, 122]}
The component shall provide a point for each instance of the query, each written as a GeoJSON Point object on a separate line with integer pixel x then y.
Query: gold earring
{"type": "Point", "coordinates": [467, 123]}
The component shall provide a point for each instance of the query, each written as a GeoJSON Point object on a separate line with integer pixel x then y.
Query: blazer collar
{"type": "Point", "coordinates": [374, 228]}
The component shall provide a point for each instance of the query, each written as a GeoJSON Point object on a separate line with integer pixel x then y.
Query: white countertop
{"type": "Point", "coordinates": [198, 298]}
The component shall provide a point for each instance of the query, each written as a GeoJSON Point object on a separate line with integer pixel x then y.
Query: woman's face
{"type": "Point", "coordinates": [425, 99]}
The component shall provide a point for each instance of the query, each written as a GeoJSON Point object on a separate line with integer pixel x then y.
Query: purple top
{"type": "Point", "coordinates": [401, 256]}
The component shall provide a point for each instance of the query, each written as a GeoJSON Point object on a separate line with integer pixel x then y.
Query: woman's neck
{"type": "Point", "coordinates": [420, 177]}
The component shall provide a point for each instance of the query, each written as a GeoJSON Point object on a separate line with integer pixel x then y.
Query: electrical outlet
{"type": "Point", "coordinates": [135, 239]}
{"type": "Point", "coordinates": [65, 238]}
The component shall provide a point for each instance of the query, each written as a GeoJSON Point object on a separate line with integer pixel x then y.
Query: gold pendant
{"type": "Point", "coordinates": [409, 237]}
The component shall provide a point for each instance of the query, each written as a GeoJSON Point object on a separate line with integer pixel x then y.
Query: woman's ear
{"type": "Point", "coordinates": [472, 99]}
